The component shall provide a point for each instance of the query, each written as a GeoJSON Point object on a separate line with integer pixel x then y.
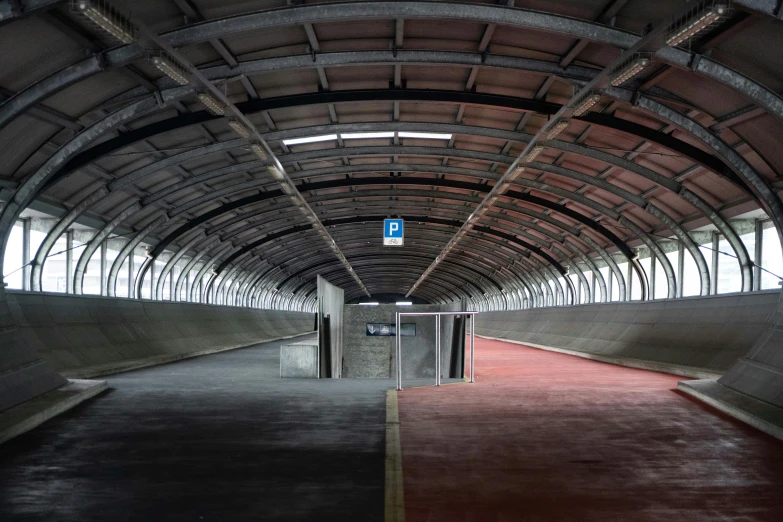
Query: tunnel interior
{"type": "Point", "coordinates": [598, 177]}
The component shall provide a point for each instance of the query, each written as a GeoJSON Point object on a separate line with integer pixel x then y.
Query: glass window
{"type": "Point", "coordinates": [616, 286]}
{"type": "Point", "coordinates": [121, 288]}
{"type": "Point", "coordinates": [92, 275]}
{"type": "Point", "coordinates": [605, 272]}
{"type": "Point", "coordinates": [729, 275]}
{"type": "Point", "coordinates": [771, 259]}
{"type": "Point", "coordinates": [12, 261]}
{"type": "Point", "coordinates": [691, 280]}
{"type": "Point", "coordinates": [54, 268]}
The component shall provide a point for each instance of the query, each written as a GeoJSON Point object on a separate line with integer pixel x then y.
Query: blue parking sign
{"type": "Point", "coordinates": [393, 232]}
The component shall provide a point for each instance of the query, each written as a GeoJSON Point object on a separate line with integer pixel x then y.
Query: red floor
{"type": "Point", "coordinates": [545, 436]}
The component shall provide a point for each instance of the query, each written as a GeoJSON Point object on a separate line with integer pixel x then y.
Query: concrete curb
{"type": "Point", "coordinates": [138, 364]}
{"type": "Point", "coordinates": [759, 414]}
{"type": "Point", "coordinates": [683, 371]}
{"type": "Point", "coordinates": [394, 508]}
{"type": "Point", "coordinates": [33, 413]}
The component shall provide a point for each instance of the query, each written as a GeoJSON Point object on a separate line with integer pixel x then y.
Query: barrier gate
{"type": "Point", "coordinates": [398, 346]}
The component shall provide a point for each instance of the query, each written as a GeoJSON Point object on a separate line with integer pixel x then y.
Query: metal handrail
{"type": "Point", "coordinates": [398, 342]}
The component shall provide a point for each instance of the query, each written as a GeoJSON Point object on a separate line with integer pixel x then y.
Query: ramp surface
{"type": "Point", "coordinates": [545, 436]}
{"type": "Point", "coordinates": [218, 438]}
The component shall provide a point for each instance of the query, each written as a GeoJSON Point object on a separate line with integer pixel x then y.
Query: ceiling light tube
{"type": "Point", "coordinates": [259, 151]}
{"type": "Point", "coordinates": [171, 68]}
{"type": "Point", "coordinates": [107, 18]}
{"type": "Point", "coordinates": [212, 104]}
{"type": "Point", "coordinates": [558, 129]}
{"type": "Point", "coordinates": [425, 135]}
{"type": "Point", "coordinates": [366, 135]}
{"type": "Point", "coordinates": [286, 189]}
{"type": "Point", "coordinates": [629, 71]}
{"type": "Point", "coordinates": [374, 303]}
{"type": "Point", "coordinates": [404, 303]}
{"type": "Point", "coordinates": [697, 24]}
{"type": "Point", "coordinates": [239, 128]}
{"type": "Point", "coordinates": [533, 154]}
{"type": "Point", "coordinates": [310, 139]}
{"type": "Point", "coordinates": [586, 104]}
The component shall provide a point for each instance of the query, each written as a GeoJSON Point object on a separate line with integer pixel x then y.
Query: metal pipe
{"type": "Point", "coordinates": [472, 347]}
{"type": "Point", "coordinates": [398, 353]}
{"type": "Point", "coordinates": [437, 350]}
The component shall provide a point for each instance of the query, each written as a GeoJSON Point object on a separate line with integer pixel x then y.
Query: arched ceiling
{"type": "Point", "coordinates": [91, 128]}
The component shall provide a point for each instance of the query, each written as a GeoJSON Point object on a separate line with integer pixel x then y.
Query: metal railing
{"type": "Point", "coordinates": [398, 345]}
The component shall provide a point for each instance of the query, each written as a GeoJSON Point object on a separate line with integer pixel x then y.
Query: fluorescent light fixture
{"type": "Point", "coordinates": [693, 26]}
{"type": "Point", "coordinates": [107, 18]}
{"type": "Point", "coordinates": [558, 129]}
{"type": "Point", "coordinates": [212, 104]}
{"type": "Point", "coordinates": [424, 135]}
{"type": "Point", "coordinates": [310, 139]}
{"type": "Point", "coordinates": [374, 303]}
{"type": "Point", "coordinates": [366, 135]}
{"type": "Point", "coordinates": [286, 189]}
{"type": "Point", "coordinates": [259, 151]}
{"type": "Point", "coordinates": [275, 173]}
{"type": "Point", "coordinates": [404, 303]}
{"type": "Point", "coordinates": [586, 104]}
{"type": "Point", "coordinates": [533, 154]}
{"type": "Point", "coordinates": [629, 71]}
{"type": "Point", "coordinates": [171, 68]}
{"type": "Point", "coordinates": [239, 128]}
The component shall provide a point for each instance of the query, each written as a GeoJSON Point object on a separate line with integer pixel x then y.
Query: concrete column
{"type": "Point", "coordinates": [652, 276]}
{"type": "Point", "coordinates": [26, 233]}
{"type": "Point", "coordinates": [757, 256]}
{"type": "Point", "coordinates": [595, 292]}
{"type": "Point", "coordinates": [187, 287]}
{"type": "Point", "coordinates": [104, 247]}
{"type": "Point", "coordinates": [130, 275]}
{"type": "Point", "coordinates": [629, 281]}
{"type": "Point", "coordinates": [680, 268]}
{"type": "Point", "coordinates": [715, 261]}
{"type": "Point", "coordinates": [171, 284]}
{"type": "Point", "coordinates": [609, 287]}
{"type": "Point", "coordinates": [69, 261]}
{"type": "Point", "coordinates": [578, 291]}
{"type": "Point", "coordinates": [152, 280]}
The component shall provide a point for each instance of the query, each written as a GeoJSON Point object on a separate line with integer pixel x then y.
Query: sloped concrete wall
{"type": "Point", "coordinates": [760, 372]}
{"type": "Point", "coordinates": [710, 333]}
{"type": "Point", "coordinates": [24, 374]}
{"type": "Point", "coordinates": [73, 333]}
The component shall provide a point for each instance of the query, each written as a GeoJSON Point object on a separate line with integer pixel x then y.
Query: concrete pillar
{"type": "Point", "coordinates": [595, 292]}
{"type": "Point", "coordinates": [680, 267]}
{"type": "Point", "coordinates": [759, 230]}
{"type": "Point", "coordinates": [130, 275]}
{"type": "Point", "coordinates": [69, 261]}
{"type": "Point", "coordinates": [629, 282]}
{"type": "Point", "coordinates": [715, 262]}
{"type": "Point", "coordinates": [609, 288]}
{"type": "Point", "coordinates": [104, 248]}
{"type": "Point", "coordinates": [26, 233]}
{"type": "Point", "coordinates": [652, 276]}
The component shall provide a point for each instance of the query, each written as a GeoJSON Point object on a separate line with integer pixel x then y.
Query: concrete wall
{"type": "Point", "coordinates": [24, 374]}
{"type": "Point", "coordinates": [374, 357]}
{"type": "Point", "coordinates": [331, 301]}
{"type": "Point", "coordinates": [709, 333]}
{"type": "Point", "coordinates": [760, 372]}
{"type": "Point", "coordinates": [82, 335]}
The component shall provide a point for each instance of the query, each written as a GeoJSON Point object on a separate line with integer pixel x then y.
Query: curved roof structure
{"type": "Point", "coordinates": [538, 151]}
